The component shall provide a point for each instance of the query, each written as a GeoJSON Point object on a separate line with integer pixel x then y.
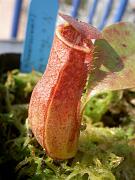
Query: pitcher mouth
{"type": "Point", "coordinates": [72, 38]}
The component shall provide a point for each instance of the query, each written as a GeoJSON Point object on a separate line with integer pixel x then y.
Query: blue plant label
{"type": "Point", "coordinates": [39, 34]}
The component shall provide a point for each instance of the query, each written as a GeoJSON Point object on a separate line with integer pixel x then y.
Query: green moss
{"type": "Point", "coordinates": [105, 152]}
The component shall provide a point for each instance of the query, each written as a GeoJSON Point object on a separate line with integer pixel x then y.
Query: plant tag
{"type": "Point", "coordinates": [39, 34]}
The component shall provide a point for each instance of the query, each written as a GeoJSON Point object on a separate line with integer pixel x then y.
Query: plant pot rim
{"type": "Point", "coordinates": [10, 46]}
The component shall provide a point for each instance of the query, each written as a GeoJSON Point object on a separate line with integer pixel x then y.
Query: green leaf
{"type": "Point", "coordinates": [114, 60]}
{"type": "Point", "coordinates": [99, 105]}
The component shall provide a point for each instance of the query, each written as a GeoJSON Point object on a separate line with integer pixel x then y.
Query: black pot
{"type": "Point", "coordinates": [10, 52]}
